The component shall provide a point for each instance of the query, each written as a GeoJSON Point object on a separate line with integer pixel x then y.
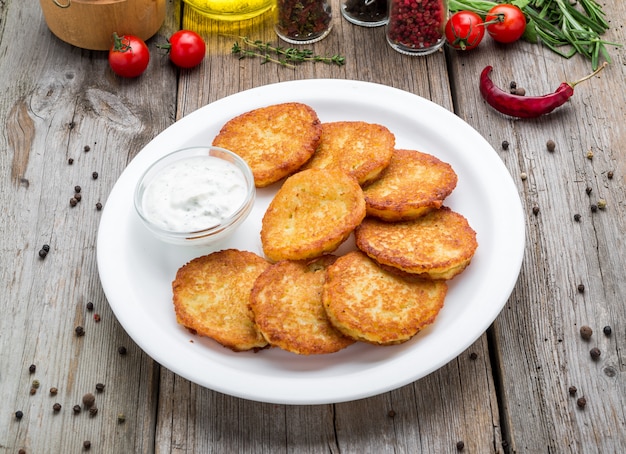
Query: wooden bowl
{"type": "Point", "coordinates": [89, 24]}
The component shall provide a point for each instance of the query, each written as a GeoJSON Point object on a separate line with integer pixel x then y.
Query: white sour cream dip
{"type": "Point", "coordinates": [194, 194]}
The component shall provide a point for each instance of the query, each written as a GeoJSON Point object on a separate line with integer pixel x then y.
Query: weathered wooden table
{"type": "Point", "coordinates": [508, 392]}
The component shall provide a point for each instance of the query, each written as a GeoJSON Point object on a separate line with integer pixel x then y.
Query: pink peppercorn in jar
{"type": "Point", "coordinates": [416, 27]}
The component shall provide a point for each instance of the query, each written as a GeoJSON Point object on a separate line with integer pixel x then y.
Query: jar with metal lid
{"type": "Point", "coordinates": [366, 13]}
{"type": "Point", "coordinates": [303, 21]}
{"type": "Point", "coordinates": [416, 27]}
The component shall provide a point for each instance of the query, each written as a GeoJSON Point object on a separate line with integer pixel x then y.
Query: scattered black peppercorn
{"type": "Point", "coordinates": [43, 253]}
{"type": "Point", "coordinates": [512, 85]}
{"type": "Point", "coordinates": [595, 353]}
{"type": "Point", "coordinates": [94, 175]}
{"type": "Point", "coordinates": [77, 189]}
{"type": "Point", "coordinates": [607, 330]}
{"type": "Point", "coordinates": [46, 247]}
{"type": "Point", "coordinates": [98, 206]}
{"type": "Point", "coordinates": [535, 210]}
{"type": "Point", "coordinates": [460, 445]}
{"type": "Point", "coordinates": [76, 409]}
{"type": "Point", "coordinates": [122, 350]}
{"type": "Point", "coordinates": [32, 368]}
{"type": "Point", "coordinates": [99, 387]}
{"type": "Point", "coordinates": [33, 391]}
{"type": "Point", "coordinates": [550, 145]}
{"type": "Point", "coordinates": [577, 217]}
{"type": "Point", "coordinates": [581, 288]}
{"type": "Point", "coordinates": [588, 190]}
{"type": "Point", "coordinates": [89, 399]}
{"type": "Point", "coordinates": [586, 332]}
{"type": "Point", "coordinates": [80, 331]}
{"type": "Point", "coordinates": [53, 391]}
{"type": "Point", "coordinates": [609, 174]}
{"type": "Point", "coordinates": [90, 306]}
{"type": "Point", "coordinates": [70, 161]}
{"type": "Point", "coordinates": [594, 207]}
{"type": "Point", "coordinates": [93, 411]}
{"type": "Point", "coordinates": [391, 413]}
{"type": "Point", "coordinates": [73, 202]}
{"type": "Point", "coordinates": [572, 390]}
{"type": "Point", "coordinates": [56, 407]}
{"type": "Point", "coordinates": [505, 144]}
{"type": "Point", "coordinates": [21, 451]}
{"type": "Point", "coordinates": [581, 402]}
{"type": "Point", "coordinates": [86, 444]}
{"type": "Point", "coordinates": [473, 356]}
{"type": "Point", "coordinates": [78, 196]}
{"type": "Point", "coordinates": [86, 148]}
{"type": "Point", "coordinates": [19, 414]}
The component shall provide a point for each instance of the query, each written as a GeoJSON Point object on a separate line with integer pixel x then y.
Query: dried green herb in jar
{"type": "Point", "coordinates": [303, 21]}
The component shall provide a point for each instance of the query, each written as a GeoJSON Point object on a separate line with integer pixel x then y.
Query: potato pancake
{"type": "Point", "coordinates": [438, 245]}
{"type": "Point", "coordinates": [369, 304]}
{"type": "Point", "coordinates": [212, 296]}
{"type": "Point", "coordinates": [360, 149]}
{"type": "Point", "coordinates": [311, 214]}
{"type": "Point", "coordinates": [413, 184]}
{"type": "Point", "coordinates": [287, 305]}
{"type": "Point", "coordinates": [275, 140]}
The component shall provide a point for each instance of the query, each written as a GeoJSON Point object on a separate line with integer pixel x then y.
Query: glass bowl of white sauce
{"type": "Point", "coordinates": [195, 196]}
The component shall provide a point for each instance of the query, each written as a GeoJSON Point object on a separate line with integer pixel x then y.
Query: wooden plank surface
{"type": "Point", "coordinates": [507, 393]}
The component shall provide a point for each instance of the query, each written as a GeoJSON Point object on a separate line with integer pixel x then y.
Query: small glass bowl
{"type": "Point", "coordinates": [204, 236]}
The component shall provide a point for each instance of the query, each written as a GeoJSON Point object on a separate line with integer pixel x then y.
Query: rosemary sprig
{"type": "Point", "coordinates": [564, 27]}
{"type": "Point", "coordinates": [284, 56]}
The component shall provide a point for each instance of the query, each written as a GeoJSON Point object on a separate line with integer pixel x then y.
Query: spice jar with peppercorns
{"type": "Point", "coordinates": [366, 13]}
{"type": "Point", "coordinates": [416, 27]}
{"type": "Point", "coordinates": [303, 21]}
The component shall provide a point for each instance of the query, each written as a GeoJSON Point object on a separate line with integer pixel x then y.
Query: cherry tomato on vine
{"type": "Point", "coordinates": [129, 56]}
{"type": "Point", "coordinates": [505, 23]}
{"type": "Point", "coordinates": [186, 48]}
{"type": "Point", "coordinates": [464, 30]}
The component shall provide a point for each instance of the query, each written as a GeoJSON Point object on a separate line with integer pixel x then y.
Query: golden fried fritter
{"type": "Point", "coordinates": [212, 296]}
{"type": "Point", "coordinates": [361, 149]}
{"type": "Point", "coordinates": [287, 305]}
{"type": "Point", "coordinates": [369, 304]}
{"type": "Point", "coordinates": [438, 245]}
{"type": "Point", "coordinates": [311, 214]}
{"type": "Point", "coordinates": [275, 140]}
{"type": "Point", "coordinates": [413, 184]}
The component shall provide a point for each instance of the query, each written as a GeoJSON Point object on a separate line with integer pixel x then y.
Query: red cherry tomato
{"type": "Point", "coordinates": [464, 30]}
{"type": "Point", "coordinates": [186, 48]}
{"type": "Point", "coordinates": [129, 56]}
{"type": "Point", "coordinates": [505, 23]}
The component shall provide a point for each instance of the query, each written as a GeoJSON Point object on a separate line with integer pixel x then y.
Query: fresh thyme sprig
{"type": "Point", "coordinates": [284, 56]}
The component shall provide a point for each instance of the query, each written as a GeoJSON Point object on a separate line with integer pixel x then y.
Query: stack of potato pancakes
{"type": "Point", "coordinates": [338, 179]}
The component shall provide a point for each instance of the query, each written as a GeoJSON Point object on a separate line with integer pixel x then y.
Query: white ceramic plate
{"type": "Point", "coordinates": [136, 270]}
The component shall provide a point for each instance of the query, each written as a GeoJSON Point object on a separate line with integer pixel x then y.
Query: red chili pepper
{"type": "Point", "coordinates": [526, 106]}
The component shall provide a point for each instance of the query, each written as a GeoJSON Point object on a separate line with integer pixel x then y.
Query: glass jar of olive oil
{"type": "Point", "coordinates": [231, 10]}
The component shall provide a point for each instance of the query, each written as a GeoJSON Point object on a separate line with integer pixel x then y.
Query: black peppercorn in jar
{"type": "Point", "coordinates": [366, 13]}
{"type": "Point", "coordinates": [303, 21]}
{"type": "Point", "coordinates": [416, 27]}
